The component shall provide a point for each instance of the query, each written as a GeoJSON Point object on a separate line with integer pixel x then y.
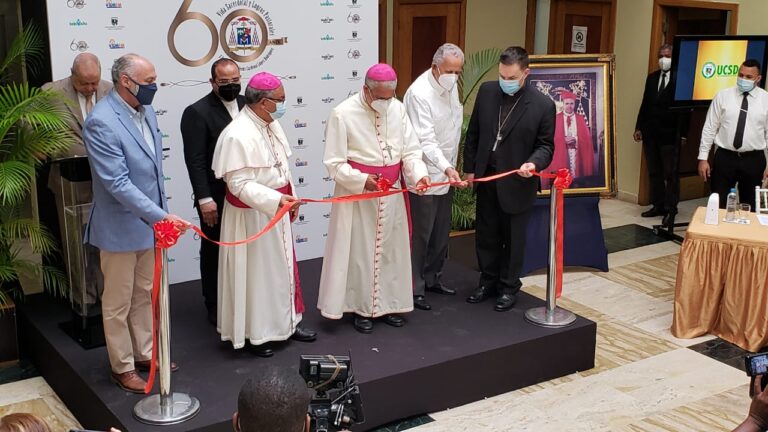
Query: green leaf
{"type": "Point", "coordinates": [15, 181]}
{"type": "Point", "coordinates": [27, 49]}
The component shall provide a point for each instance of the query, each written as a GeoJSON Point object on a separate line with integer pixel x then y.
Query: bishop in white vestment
{"type": "Point", "coordinates": [259, 294]}
{"type": "Point", "coordinates": [367, 260]}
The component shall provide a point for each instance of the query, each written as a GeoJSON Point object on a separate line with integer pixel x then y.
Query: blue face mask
{"type": "Point", "coordinates": [745, 85]}
{"type": "Point", "coordinates": [279, 110]}
{"type": "Point", "coordinates": [509, 87]}
{"type": "Point", "coordinates": [145, 93]}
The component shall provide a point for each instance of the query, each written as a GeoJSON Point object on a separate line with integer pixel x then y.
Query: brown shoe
{"type": "Point", "coordinates": [143, 365]}
{"type": "Point", "coordinates": [129, 381]}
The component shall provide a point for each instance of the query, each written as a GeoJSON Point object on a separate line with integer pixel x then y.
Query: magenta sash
{"type": "Point", "coordinates": [285, 190]}
{"type": "Point", "coordinates": [392, 173]}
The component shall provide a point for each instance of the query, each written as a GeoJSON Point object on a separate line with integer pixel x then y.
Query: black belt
{"type": "Point", "coordinates": [741, 153]}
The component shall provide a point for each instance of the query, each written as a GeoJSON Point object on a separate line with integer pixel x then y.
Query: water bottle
{"type": "Point", "coordinates": [730, 207]}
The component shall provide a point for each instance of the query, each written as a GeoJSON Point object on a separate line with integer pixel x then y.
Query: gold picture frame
{"type": "Point", "coordinates": [585, 129]}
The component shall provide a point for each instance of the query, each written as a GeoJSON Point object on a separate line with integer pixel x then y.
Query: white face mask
{"type": "Point", "coordinates": [665, 63]}
{"type": "Point", "coordinates": [381, 105]}
{"type": "Point", "coordinates": [447, 81]}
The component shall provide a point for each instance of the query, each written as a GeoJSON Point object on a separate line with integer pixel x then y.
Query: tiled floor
{"type": "Point", "coordinates": [644, 379]}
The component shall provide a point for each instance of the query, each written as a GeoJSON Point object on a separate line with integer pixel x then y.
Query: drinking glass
{"type": "Point", "coordinates": [744, 210]}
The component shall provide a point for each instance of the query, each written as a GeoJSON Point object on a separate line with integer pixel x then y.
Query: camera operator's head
{"type": "Point", "coordinates": [274, 400]}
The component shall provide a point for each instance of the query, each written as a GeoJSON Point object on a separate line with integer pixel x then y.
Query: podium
{"type": "Point", "coordinates": [86, 283]}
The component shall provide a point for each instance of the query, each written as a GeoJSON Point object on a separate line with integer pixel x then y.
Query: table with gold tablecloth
{"type": "Point", "coordinates": [722, 282]}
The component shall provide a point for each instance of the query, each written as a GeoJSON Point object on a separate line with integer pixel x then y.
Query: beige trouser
{"type": "Point", "coordinates": [126, 307]}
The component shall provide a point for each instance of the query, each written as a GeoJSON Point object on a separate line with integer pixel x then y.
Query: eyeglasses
{"type": "Point", "coordinates": [276, 100]}
{"type": "Point", "coordinates": [222, 82]}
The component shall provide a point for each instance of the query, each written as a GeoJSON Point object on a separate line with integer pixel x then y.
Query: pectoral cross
{"type": "Point", "coordinates": [389, 148]}
{"type": "Point", "coordinates": [498, 140]}
{"type": "Point", "coordinates": [277, 165]}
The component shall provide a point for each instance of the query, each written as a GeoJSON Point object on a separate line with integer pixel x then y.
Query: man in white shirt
{"type": "Point", "coordinates": [738, 126]}
{"type": "Point", "coordinates": [433, 106]}
{"type": "Point", "coordinates": [201, 125]}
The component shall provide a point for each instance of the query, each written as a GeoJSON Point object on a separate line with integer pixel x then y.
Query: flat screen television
{"type": "Point", "coordinates": [704, 65]}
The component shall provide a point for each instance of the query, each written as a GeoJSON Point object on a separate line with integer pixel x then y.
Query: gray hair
{"type": "Point", "coordinates": [124, 65]}
{"type": "Point", "coordinates": [253, 95]}
{"type": "Point", "coordinates": [665, 47]}
{"type": "Point", "coordinates": [447, 49]}
{"type": "Point", "coordinates": [84, 59]}
{"type": "Point", "coordinates": [372, 84]}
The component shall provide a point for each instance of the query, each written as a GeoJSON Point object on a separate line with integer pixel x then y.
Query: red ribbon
{"type": "Point", "coordinates": [167, 233]}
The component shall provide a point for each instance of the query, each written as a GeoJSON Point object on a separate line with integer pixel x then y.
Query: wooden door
{"type": "Point", "coordinates": [597, 16]}
{"type": "Point", "coordinates": [420, 27]}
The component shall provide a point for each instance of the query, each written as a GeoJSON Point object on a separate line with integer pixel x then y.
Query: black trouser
{"type": "Point", "coordinates": [431, 218]}
{"type": "Point", "coordinates": [662, 156]}
{"type": "Point", "coordinates": [500, 242]}
{"type": "Point", "coordinates": [209, 260]}
{"type": "Point", "coordinates": [745, 168]}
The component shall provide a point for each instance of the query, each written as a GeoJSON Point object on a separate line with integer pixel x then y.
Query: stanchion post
{"type": "Point", "coordinates": [551, 315]}
{"type": "Point", "coordinates": [167, 407]}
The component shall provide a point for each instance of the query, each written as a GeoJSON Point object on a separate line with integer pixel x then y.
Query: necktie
{"type": "Point", "coordinates": [663, 83]}
{"type": "Point", "coordinates": [88, 105]}
{"type": "Point", "coordinates": [739, 138]}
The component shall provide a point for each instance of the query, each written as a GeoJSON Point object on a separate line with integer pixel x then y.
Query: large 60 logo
{"type": "Point", "coordinates": [243, 35]}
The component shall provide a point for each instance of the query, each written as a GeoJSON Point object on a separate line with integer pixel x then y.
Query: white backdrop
{"type": "Point", "coordinates": [321, 47]}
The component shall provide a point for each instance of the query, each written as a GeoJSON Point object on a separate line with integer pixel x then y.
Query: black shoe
{"type": "Point", "coordinates": [419, 302]}
{"type": "Point", "coordinates": [505, 302]}
{"type": "Point", "coordinates": [304, 335]}
{"type": "Point", "coordinates": [653, 212]}
{"type": "Point", "coordinates": [363, 325]}
{"type": "Point", "coordinates": [212, 316]}
{"type": "Point", "coordinates": [261, 350]}
{"type": "Point", "coordinates": [480, 295]}
{"type": "Point", "coordinates": [441, 289]}
{"type": "Point", "coordinates": [669, 219]}
{"type": "Point", "coordinates": [394, 320]}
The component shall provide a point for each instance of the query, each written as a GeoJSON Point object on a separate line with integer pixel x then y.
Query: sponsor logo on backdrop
{"type": "Point", "coordinates": [327, 57]}
{"type": "Point", "coordinates": [298, 124]}
{"type": "Point", "coordinates": [327, 196]}
{"type": "Point", "coordinates": [326, 20]}
{"type": "Point", "coordinates": [115, 24]}
{"type": "Point", "coordinates": [328, 100]}
{"type": "Point", "coordinates": [301, 239]}
{"type": "Point", "coordinates": [327, 77]}
{"type": "Point", "coordinates": [327, 38]}
{"type": "Point", "coordinates": [351, 93]}
{"type": "Point", "coordinates": [327, 179]}
{"type": "Point", "coordinates": [353, 54]}
{"type": "Point", "coordinates": [301, 220]}
{"type": "Point", "coordinates": [300, 102]}
{"type": "Point", "coordinates": [78, 23]}
{"type": "Point", "coordinates": [114, 4]}
{"type": "Point", "coordinates": [326, 3]}
{"type": "Point", "coordinates": [354, 76]}
{"type": "Point", "coordinates": [355, 37]}
{"type": "Point", "coordinates": [165, 135]}
{"type": "Point", "coordinates": [79, 4]}
{"type": "Point", "coordinates": [353, 3]}
{"type": "Point", "coordinates": [301, 182]}
{"type": "Point", "coordinates": [160, 112]}
{"type": "Point", "coordinates": [113, 44]}
{"type": "Point", "coordinates": [300, 144]}
{"type": "Point", "coordinates": [78, 45]}
{"type": "Point", "coordinates": [327, 215]}
{"type": "Point", "coordinates": [247, 33]}
{"type": "Point", "coordinates": [301, 163]}
{"type": "Point", "coordinates": [353, 18]}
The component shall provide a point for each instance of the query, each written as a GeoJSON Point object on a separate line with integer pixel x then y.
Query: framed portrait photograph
{"type": "Point", "coordinates": [582, 89]}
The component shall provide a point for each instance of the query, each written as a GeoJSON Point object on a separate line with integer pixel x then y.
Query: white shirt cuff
{"type": "Point", "coordinates": [205, 200]}
{"type": "Point", "coordinates": [703, 156]}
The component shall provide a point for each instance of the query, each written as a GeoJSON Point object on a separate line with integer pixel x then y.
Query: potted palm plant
{"type": "Point", "coordinates": [33, 127]}
{"type": "Point", "coordinates": [461, 244]}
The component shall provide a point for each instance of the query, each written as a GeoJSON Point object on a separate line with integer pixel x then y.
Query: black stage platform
{"type": "Point", "coordinates": [455, 354]}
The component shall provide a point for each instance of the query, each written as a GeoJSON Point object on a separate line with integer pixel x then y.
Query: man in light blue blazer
{"type": "Point", "coordinates": [124, 146]}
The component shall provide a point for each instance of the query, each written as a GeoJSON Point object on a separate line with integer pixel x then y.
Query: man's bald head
{"type": "Point", "coordinates": [86, 74]}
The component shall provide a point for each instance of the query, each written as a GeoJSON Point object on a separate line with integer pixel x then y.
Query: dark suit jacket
{"type": "Point", "coordinates": [528, 138]}
{"type": "Point", "coordinates": [654, 117]}
{"type": "Point", "coordinates": [201, 125]}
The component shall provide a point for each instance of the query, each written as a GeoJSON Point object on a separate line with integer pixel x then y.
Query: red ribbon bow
{"type": "Point", "coordinates": [167, 233]}
{"type": "Point", "coordinates": [563, 179]}
{"type": "Point", "coordinates": [383, 184]}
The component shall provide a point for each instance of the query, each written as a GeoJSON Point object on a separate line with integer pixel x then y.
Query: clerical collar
{"type": "Point", "coordinates": [253, 116]}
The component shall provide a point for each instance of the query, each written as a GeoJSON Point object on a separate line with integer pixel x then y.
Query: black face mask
{"type": "Point", "coordinates": [229, 92]}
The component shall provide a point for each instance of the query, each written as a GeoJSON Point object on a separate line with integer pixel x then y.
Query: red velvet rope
{"type": "Point", "coordinates": [167, 233]}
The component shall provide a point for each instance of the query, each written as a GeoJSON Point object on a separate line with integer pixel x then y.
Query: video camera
{"type": "Point", "coordinates": [757, 364]}
{"type": "Point", "coordinates": [337, 404]}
